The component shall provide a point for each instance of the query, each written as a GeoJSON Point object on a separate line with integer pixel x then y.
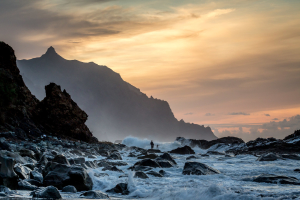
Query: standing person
{"type": "Point", "coordinates": [152, 144]}
{"type": "Point", "coordinates": [157, 146]}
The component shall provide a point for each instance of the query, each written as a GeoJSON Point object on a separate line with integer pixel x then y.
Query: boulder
{"type": "Point", "coordinates": [5, 191]}
{"type": "Point", "coordinates": [8, 177]}
{"type": "Point", "coordinates": [27, 152]}
{"type": "Point", "coordinates": [164, 163]}
{"type": "Point", "coordinates": [94, 194]}
{"type": "Point", "coordinates": [290, 156]}
{"type": "Point", "coordinates": [35, 175]}
{"type": "Point", "coordinates": [153, 151]}
{"type": "Point", "coordinates": [61, 159]}
{"type": "Point", "coordinates": [196, 168]}
{"type": "Point", "coordinates": [154, 173]}
{"type": "Point", "coordinates": [271, 178]}
{"type": "Point", "coordinates": [216, 153]}
{"type": "Point", "coordinates": [121, 188]}
{"type": "Point", "coordinates": [24, 185]}
{"type": "Point", "coordinates": [140, 168]}
{"type": "Point", "coordinates": [150, 156]}
{"type": "Point", "coordinates": [117, 163]}
{"type": "Point", "coordinates": [168, 157]}
{"type": "Point", "coordinates": [60, 175]}
{"type": "Point", "coordinates": [183, 150]}
{"type": "Point", "coordinates": [22, 171]}
{"type": "Point", "coordinates": [49, 192]}
{"type": "Point", "coordinates": [15, 156]}
{"type": "Point", "coordinates": [76, 161]}
{"type": "Point", "coordinates": [115, 156]}
{"type": "Point", "coordinates": [112, 168]}
{"type": "Point", "coordinates": [34, 182]}
{"type": "Point", "coordinates": [69, 188]}
{"type": "Point", "coordinates": [140, 175]}
{"type": "Point", "coordinates": [147, 162]}
{"type": "Point", "coordinates": [191, 157]}
{"type": "Point", "coordinates": [268, 157]}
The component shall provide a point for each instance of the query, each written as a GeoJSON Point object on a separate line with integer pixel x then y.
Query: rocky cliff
{"type": "Point", "coordinates": [116, 109]}
{"type": "Point", "coordinates": [25, 116]}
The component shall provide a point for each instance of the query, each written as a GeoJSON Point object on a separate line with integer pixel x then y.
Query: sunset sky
{"type": "Point", "coordinates": [233, 65]}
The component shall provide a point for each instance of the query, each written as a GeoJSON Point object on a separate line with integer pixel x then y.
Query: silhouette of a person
{"type": "Point", "coordinates": [152, 144]}
{"type": "Point", "coordinates": [157, 146]}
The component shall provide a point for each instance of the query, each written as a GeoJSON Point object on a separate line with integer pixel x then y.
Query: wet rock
{"type": "Point", "coordinates": [91, 164]}
{"type": "Point", "coordinates": [154, 173]}
{"type": "Point", "coordinates": [168, 157]}
{"type": "Point", "coordinates": [76, 161]}
{"type": "Point", "coordinates": [60, 175]}
{"type": "Point", "coordinates": [24, 185]}
{"type": "Point", "coordinates": [92, 156]}
{"type": "Point", "coordinates": [290, 156]}
{"type": "Point", "coordinates": [150, 156]}
{"type": "Point", "coordinates": [120, 188]}
{"type": "Point", "coordinates": [61, 159]}
{"type": "Point", "coordinates": [15, 156]}
{"type": "Point", "coordinates": [191, 157]}
{"type": "Point", "coordinates": [69, 188]}
{"type": "Point", "coordinates": [147, 162]}
{"type": "Point", "coordinates": [30, 162]}
{"type": "Point", "coordinates": [204, 155]}
{"type": "Point", "coordinates": [34, 182]}
{"type": "Point", "coordinates": [216, 153]}
{"type": "Point", "coordinates": [22, 171]}
{"type": "Point", "coordinates": [296, 170]}
{"type": "Point", "coordinates": [162, 172]}
{"type": "Point", "coordinates": [183, 150]}
{"type": "Point", "coordinates": [140, 168]}
{"type": "Point", "coordinates": [43, 161]}
{"type": "Point", "coordinates": [117, 163]}
{"type": "Point", "coordinates": [271, 178]}
{"type": "Point", "coordinates": [153, 151]}
{"type": "Point", "coordinates": [196, 168]}
{"type": "Point", "coordinates": [268, 157]}
{"type": "Point", "coordinates": [94, 194]}
{"type": "Point", "coordinates": [115, 156]}
{"type": "Point", "coordinates": [140, 174]}
{"type": "Point", "coordinates": [164, 163]}
{"type": "Point", "coordinates": [27, 152]}
{"type": "Point", "coordinates": [8, 177]}
{"type": "Point", "coordinates": [35, 175]}
{"type": "Point", "coordinates": [49, 192]}
{"type": "Point", "coordinates": [112, 168]}
{"type": "Point", "coordinates": [77, 152]}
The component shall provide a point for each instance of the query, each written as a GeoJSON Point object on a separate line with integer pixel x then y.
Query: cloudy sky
{"type": "Point", "coordinates": [233, 65]}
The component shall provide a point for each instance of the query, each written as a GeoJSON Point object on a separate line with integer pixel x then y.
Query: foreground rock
{"type": "Point", "coordinates": [271, 178]}
{"type": "Point", "coordinates": [121, 188]}
{"type": "Point", "coordinates": [49, 192]}
{"type": "Point", "coordinates": [183, 150]}
{"type": "Point", "coordinates": [8, 177]}
{"type": "Point", "coordinates": [70, 189]}
{"type": "Point", "coordinates": [60, 175]}
{"type": "Point", "coordinates": [196, 168]}
{"type": "Point", "coordinates": [94, 194]}
{"type": "Point", "coordinates": [140, 175]}
{"type": "Point", "coordinates": [147, 162]}
{"type": "Point", "coordinates": [268, 157]}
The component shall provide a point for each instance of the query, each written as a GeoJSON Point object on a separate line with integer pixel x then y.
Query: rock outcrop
{"type": "Point", "coordinates": [196, 168]}
{"type": "Point", "coordinates": [24, 116]}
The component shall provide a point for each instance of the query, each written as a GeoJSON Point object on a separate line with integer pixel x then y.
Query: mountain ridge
{"type": "Point", "coordinates": [116, 108]}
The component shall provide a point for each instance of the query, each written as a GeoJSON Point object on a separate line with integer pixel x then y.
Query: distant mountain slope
{"type": "Point", "coordinates": [116, 109]}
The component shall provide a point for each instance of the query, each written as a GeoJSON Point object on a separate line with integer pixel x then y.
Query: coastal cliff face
{"type": "Point", "coordinates": [24, 115]}
{"type": "Point", "coordinates": [116, 109]}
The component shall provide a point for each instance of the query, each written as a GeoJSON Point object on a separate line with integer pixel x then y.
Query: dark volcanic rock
{"type": "Point", "coordinates": [24, 185]}
{"type": "Point", "coordinates": [35, 175]}
{"type": "Point", "coordinates": [22, 171]}
{"type": "Point", "coordinates": [154, 173]}
{"type": "Point", "coordinates": [66, 118]}
{"type": "Point", "coordinates": [8, 177]}
{"type": "Point", "coordinates": [61, 159]}
{"type": "Point", "coordinates": [183, 150]}
{"type": "Point", "coordinates": [164, 163]}
{"type": "Point", "coordinates": [271, 178]}
{"type": "Point", "coordinates": [115, 156]}
{"type": "Point", "coordinates": [290, 156]}
{"type": "Point", "coordinates": [120, 188]}
{"type": "Point", "coordinates": [60, 175]}
{"type": "Point", "coordinates": [112, 168]}
{"type": "Point", "coordinates": [94, 195]}
{"type": "Point", "coordinates": [147, 162]}
{"type": "Point", "coordinates": [150, 156]}
{"type": "Point", "coordinates": [268, 157]}
{"type": "Point", "coordinates": [69, 188]}
{"type": "Point", "coordinates": [196, 168]}
{"type": "Point", "coordinates": [191, 157]}
{"type": "Point", "coordinates": [27, 152]}
{"type": "Point", "coordinates": [168, 157]}
{"type": "Point", "coordinates": [77, 161]}
{"type": "Point", "coordinates": [140, 175]}
{"type": "Point", "coordinates": [204, 144]}
{"type": "Point", "coordinates": [49, 192]}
